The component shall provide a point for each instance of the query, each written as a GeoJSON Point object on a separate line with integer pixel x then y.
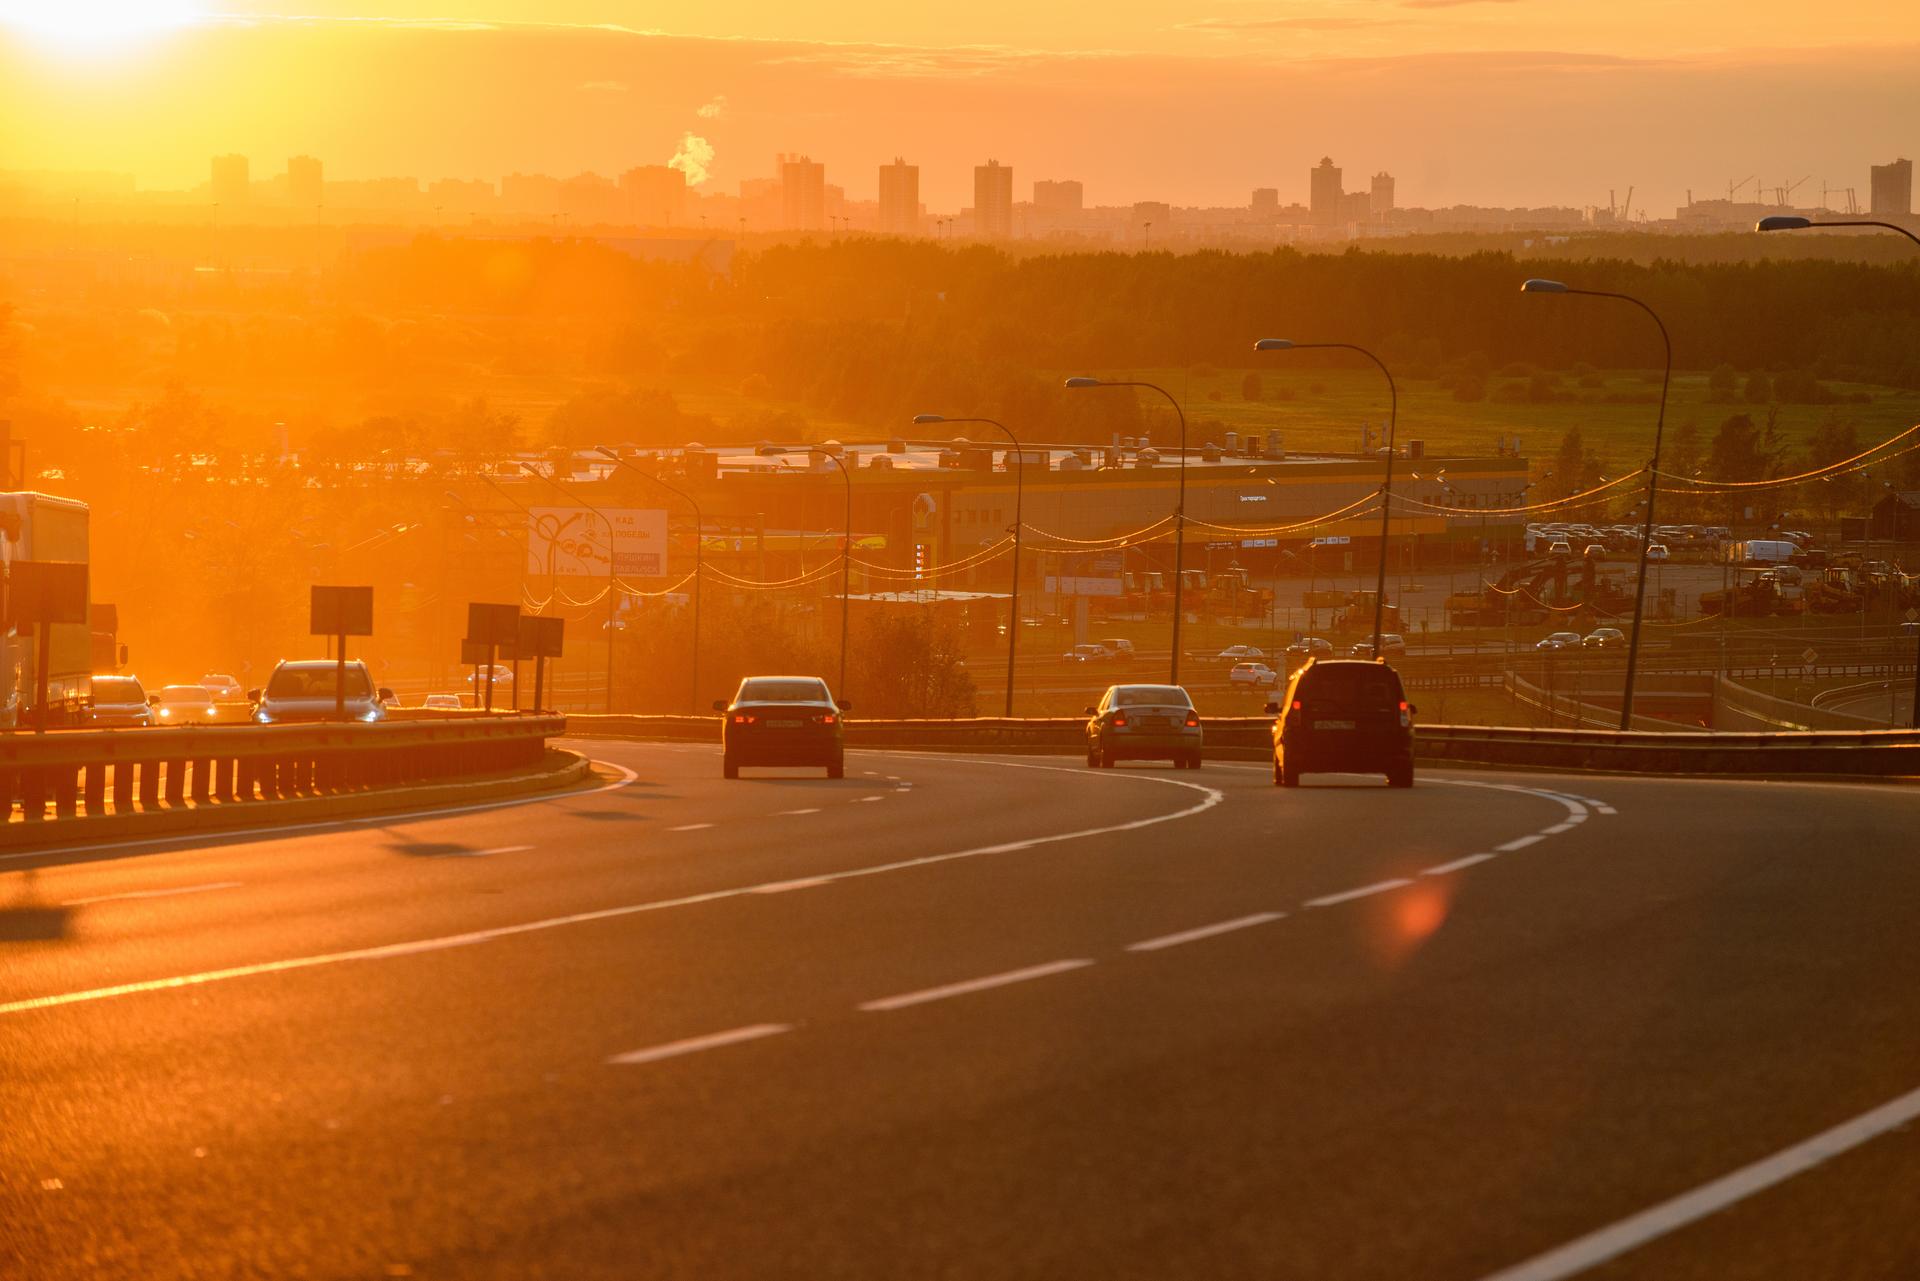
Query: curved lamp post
{"type": "Point", "coordinates": [1793, 222]}
{"type": "Point", "coordinates": [612, 593]}
{"type": "Point", "coordinates": [1538, 286]}
{"type": "Point", "coordinates": [699, 530]}
{"type": "Point", "coordinates": [1179, 512]}
{"type": "Point", "coordinates": [846, 544]}
{"type": "Point", "coordinates": [1019, 487]}
{"type": "Point", "coordinates": [1386, 483]}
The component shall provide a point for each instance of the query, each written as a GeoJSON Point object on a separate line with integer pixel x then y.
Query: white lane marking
{"type": "Point", "coordinates": [785, 813]}
{"type": "Point", "coordinates": [1457, 864]}
{"type": "Point", "coordinates": [130, 894]}
{"type": "Point", "coordinates": [237, 835]}
{"type": "Point", "coordinates": [1210, 797]}
{"type": "Point", "coordinates": [690, 827]}
{"type": "Point", "coordinates": [861, 800]}
{"type": "Point", "coordinates": [1709, 1198]}
{"type": "Point", "coordinates": [781, 887]}
{"type": "Point", "coordinates": [1345, 896]}
{"type": "Point", "coordinates": [1204, 932]}
{"type": "Point", "coordinates": [1558, 828]}
{"type": "Point", "coordinates": [694, 1044]}
{"type": "Point", "coordinates": [904, 999]}
{"type": "Point", "coordinates": [1520, 843]}
{"type": "Point", "coordinates": [498, 849]}
{"type": "Point", "coordinates": [1573, 805]}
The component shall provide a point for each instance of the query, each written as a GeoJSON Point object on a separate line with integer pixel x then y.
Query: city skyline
{"type": "Point", "coordinates": [1198, 118]}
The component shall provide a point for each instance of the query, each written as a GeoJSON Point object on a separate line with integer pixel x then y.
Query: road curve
{"type": "Point", "coordinates": [973, 1016]}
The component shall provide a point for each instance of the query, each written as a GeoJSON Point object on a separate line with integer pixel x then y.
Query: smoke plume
{"type": "Point", "coordinates": [693, 158]}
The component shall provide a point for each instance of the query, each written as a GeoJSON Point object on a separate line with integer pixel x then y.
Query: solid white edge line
{"type": "Point", "coordinates": [1210, 797]}
{"type": "Point", "coordinates": [1636, 1230]}
{"type": "Point", "coordinates": [782, 887]}
{"type": "Point", "coordinates": [498, 849]}
{"type": "Point", "coordinates": [962, 988]}
{"type": "Point", "coordinates": [694, 1044]}
{"type": "Point", "coordinates": [1345, 896]}
{"type": "Point", "coordinates": [786, 813]}
{"type": "Point", "coordinates": [1204, 932]}
{"type": "Point", "coordinates": [133, 894]}
{"type": "Point", "coordinates": [235, 835]}
{"type": "Point", "coordinates": [690, 827]}
{"type": "Point", "coordinates": [1520, 843]}
{"type": "Point", "coordinates": [1458, 864]}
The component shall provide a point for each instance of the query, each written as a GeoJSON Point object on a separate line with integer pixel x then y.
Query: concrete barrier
{"type": "Point", "coordinates": [1876, 753]}
{"type": "Point", "coordinates": [88, 777]}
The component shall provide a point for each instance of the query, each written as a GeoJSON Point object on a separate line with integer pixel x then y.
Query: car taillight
{"type": "Point", "coordinates": [741, 718]}
{"type": "Point", "coordinates": [1406, 714]}
{"type": "Point", "coordinates": [1120, 722]}
{"type": "Point", "coordinates": [1193, 720]}
{"type": "Point", "coordinates": [829, 719]}
{"type": "Point", "coordinates": [1297, 704]}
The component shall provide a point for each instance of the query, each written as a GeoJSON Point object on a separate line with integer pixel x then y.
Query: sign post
{"type": "Point", "coordinates": [40, 594]}
{"type": "Point", "coordinates": [539, 639]}
{"type": "Point", "coordinates": [473, 654]}
{"type": "Point", "coordinates": [496, 627]}
{"type": "Point", "coordinates": [340, 612]}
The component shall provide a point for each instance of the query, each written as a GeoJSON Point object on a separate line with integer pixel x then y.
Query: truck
{"type": "Point", "coordinates": [41, 527]}
{"type": "Point", "coordinates": [1761, 551]}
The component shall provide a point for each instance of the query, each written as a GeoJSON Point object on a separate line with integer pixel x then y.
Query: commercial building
{"type": "Point", "coordinates": [230, 183]}
{"type": "Point", "coordinates": [1266, 202]}
{"type": "Point", "coordinates": [899, 199]}
{"type": "Point", "coordinates": [306, 189]}
{"type": "Point", "coordinates": [1325, 192]}
{"type": "Point", "coordinates": [803, 193]}
{"type": "Point", "coordinates": [654, 196]}
{"type": "Point", "coordinates": [1380, 201]}
{"type": "Point", "coordinates": [1065, 196]}
{"type": "Point", "coordinates": [1892, 189]}
{"type": "Point", "coordinates": [993, 200]}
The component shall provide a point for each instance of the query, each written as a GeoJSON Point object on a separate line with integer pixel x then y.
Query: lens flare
{"type": "Point", "coordinates": [90, 25]}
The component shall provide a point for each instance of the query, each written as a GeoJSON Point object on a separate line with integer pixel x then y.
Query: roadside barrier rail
{"type": "Point", "coordinates": [92, 773]}
{"type": "Point", "coordinates": [1872, 753]}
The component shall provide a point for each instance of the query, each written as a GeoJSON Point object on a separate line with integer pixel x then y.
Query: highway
{"type": "Point", "coordinates": [980, 1017]}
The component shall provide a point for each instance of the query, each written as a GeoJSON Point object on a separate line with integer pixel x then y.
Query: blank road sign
{"type": "Point", "coordinates": [493, 624]}
{"type": "Point", "coordinates": [342, 611]}
{"type": "Point", "coordinates": [44, 591]}
{"type": "Point", "coordinates": [540, 637]}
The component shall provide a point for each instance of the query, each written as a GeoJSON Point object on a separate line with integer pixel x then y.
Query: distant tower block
{"type": "Point", "coordinates": [1381, 203]}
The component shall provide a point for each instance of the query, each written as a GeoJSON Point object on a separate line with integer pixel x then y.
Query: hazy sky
{"type": "Point", "coordinates": [1490, 101]}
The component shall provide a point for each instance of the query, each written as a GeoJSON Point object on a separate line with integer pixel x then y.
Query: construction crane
{"type": "Point", "coordinates": [1782, 195]}
{"type": "Point", "coordinates": [1626, 210]}
{"type": "Point", "coordinates": [1734, 187]}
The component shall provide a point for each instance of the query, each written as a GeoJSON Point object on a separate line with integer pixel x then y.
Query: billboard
{"type": "Point", "coordinates": [571, 542]}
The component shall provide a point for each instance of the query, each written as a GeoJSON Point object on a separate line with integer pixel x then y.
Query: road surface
{"type": "Point", "coordinates": [980, 1017]}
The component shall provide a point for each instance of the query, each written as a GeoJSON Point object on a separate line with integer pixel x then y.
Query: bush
{"type": "Point", "coordinates": [1204, 371]}
{"type": "Point", "coordinates": [1516, 369]}
{"type": "Point", "coordinates": [1721, 384]}
{"type": "Point", "coordinates": [1759, 389]}
{"type": "Point", "coordinates": [1469, 390]}
{"type": "Point", "coordinates": [1591, 379]}
{"type": "Point", "coordinates": [1511, 394]}
{"type": "Point", "coordinates": [1250, 386]}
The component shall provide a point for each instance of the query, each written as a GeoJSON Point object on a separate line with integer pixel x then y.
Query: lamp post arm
{"type": "Point", "coordinates": [1179, 525]}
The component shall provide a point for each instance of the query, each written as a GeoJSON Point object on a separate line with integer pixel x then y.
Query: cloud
{"type": "Point", "coordinates": [1229, 26]}
{"type": "Point", "coordinates": [604, 86]}
{"type": "Point", "coordinates": [694, 158]}
{"type": "Point", "coordinates": [715, 109]}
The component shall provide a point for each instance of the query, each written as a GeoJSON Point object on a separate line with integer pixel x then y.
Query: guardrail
{"type": "Point", "coordinates": [1876, 753]}
{"type": "Point", "coordinates": [92, 773]}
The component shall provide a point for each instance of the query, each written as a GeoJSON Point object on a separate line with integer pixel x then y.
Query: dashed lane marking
{"type": "Point", "coordinates": [1458, 864]}
{"type": "Point", "coordinates": [690, 827]}
{"type": "Point", "coordinates": [782, 887]}
{"type": "Point", "coordinates": [133, 894]}
{"type": "Point", "coordinates": [1378, 887]}
{"type": "Point", "coordinates": [1520, 843]}
{"type": "Point", "coordinates": [786, 813]}
{"type": "Point", "coordinates": [694, 1044]}
{"type": "Point", "coordinates": [922, 997]}
{"type": "Point", "coordinates": [1204, 932]}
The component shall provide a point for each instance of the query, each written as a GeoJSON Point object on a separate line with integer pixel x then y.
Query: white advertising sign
{"type": "Point", "coordinates": [572, 542]}
{"type": "Point", "coordinates": [1084, 586]}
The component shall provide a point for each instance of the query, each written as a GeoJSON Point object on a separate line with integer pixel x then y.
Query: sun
{"type": "Point", "coordinates": [96, 24]}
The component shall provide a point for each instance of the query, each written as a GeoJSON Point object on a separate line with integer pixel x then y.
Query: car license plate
{"type": "Point", "coordinates": [1333, 724]}
{"type": "Point", "coordinates": [1154, 722]}
{"type": "Point", "coordinates": [783, 724]}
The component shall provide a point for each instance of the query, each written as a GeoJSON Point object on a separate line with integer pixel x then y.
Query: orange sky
{"type": "Point", "coordinates": [1490, 101]}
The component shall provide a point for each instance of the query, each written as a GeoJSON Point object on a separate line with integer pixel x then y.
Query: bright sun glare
{"type": "Point", "coordinates": [96, 24]}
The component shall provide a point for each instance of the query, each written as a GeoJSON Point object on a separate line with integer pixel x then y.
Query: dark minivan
{"type": "Point", "coordinates": [1343, 716]}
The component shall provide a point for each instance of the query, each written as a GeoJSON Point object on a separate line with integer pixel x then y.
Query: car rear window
{"type": "Point", "coordinates": [1151, 696]}
{"type": "Point", "coordinates": [317, 682]}
{"type": "Point", "coordinates": [185, 694]}
{"type": "Point", "coordinates": [766, 691]}
{"type": "Point", "coordinates": [117, 689]}
{"type": "Point", "coordinates": [1359, 685]}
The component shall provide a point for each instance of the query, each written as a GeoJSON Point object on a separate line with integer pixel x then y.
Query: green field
{"type": "Point", "coordinates": [1323, 409]}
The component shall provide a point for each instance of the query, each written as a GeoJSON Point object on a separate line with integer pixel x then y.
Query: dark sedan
{"type": "Point", "coordinates": [782, 720]}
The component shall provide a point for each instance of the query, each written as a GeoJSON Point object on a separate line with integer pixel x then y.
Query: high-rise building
{"type": "Point", "coordinates": [1382, 202]}
{"type": "Point", "coordinates": [1266, 201]}
{"type": "Point", "coordinates": [229, 180]}
{"type": "Point", "coordinates": [1325, 192]}
{"type": "Point", "coordinates": [1355, 207]}
{"type": "Point", "coordinates": [305, 190]}
{"type": "Point", "coordinates": [803, 193]}
{"type": "Point", "coordinates": [993, 200]}
{"type": "Point", "coordinates": [1892, 189]}
{"type": "Point", "coordinates": [899, 198]}
{"type": "Point", "coordinates": [654, 195]}
{"type": "Point", "coordinates": [534, 194]}
{"type": "Point", "coordinates": [1146, 217]}
{"type": "Point", "coordinates": [1064, 195]}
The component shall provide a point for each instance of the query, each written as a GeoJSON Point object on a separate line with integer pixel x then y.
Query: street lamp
{"type": "Point", "coordinates": [1179, 511]}
{"type": "Point", "coordinates": [1386, 483]}
{"type": "Point", "coordinates": [846, 542]}
{"type": "Point", "coordinates": [1019, 488]}
{"type": "Point", "coordinates": [1793, 222]}
{"type": "Point", "coordinates": [1537, 286]}
{"type": "Point", "coordinates": [699, 529]}
{"type": "Point", "coordinates": [612, 592]}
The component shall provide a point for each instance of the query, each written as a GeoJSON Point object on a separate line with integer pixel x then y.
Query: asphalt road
{"type": "Point", "coordinates": [981, 1017]}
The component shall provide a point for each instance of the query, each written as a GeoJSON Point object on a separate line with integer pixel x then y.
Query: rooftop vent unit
{"type": "Point", "coordinates": [1147, 458]}
{"type": "Point", "coordinates": [1210, 453]}
{"type": "Point", "coordinates": [880, 462]}
{"type": "Point", "coordinates": [896, 446]}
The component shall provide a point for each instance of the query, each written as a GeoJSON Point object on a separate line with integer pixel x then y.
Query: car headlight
{"type": "Point", "coordinates": [261, 718]}
{"type": "Point", "coordinates": [371, 714]}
